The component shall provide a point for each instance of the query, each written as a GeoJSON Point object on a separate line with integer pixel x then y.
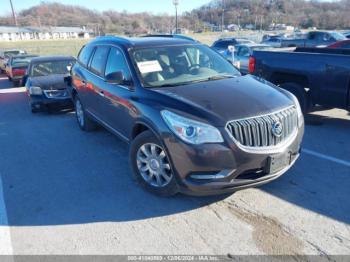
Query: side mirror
{"type": "Point", "coordinates": [115, 78]}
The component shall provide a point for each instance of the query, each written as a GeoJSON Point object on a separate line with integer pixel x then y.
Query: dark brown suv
{"type": "Point", "coordinates": [194, 124]}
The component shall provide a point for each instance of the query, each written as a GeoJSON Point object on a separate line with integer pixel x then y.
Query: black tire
{"type": "Point", "coordinates": [300, 94]}
{"type": "Point", "coordinates": [87, 124]}
{"type": "Point", "coordinates": [146, 137]}
{"type": "Point", "coordinates": [35, 110]}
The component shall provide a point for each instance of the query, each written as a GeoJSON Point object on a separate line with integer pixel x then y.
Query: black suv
{"type": "Point", "coordinates": [194, 124]}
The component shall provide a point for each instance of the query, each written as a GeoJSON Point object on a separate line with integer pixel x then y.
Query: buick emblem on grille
{"type": "Point", "coordinates": [277, 128]}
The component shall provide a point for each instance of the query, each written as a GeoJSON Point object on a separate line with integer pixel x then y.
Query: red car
{"type": "Point", "coordinates": [16, 67]}
{"type": "Point", "coordinates": [340, 44]}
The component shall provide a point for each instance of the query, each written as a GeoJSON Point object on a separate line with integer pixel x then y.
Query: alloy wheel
{"type": "Point", "coordinates": [79, 112]}
{"type": "Point", "coordinates": [153, 165]}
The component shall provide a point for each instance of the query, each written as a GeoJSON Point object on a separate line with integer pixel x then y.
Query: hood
{"type": "Point", "coordinates": [230, 99]}
{"type": "Point", "coordinates": [49, 82]}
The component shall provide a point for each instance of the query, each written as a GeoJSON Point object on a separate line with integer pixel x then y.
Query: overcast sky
{"type": "Point", "coordinates": [155, 6]}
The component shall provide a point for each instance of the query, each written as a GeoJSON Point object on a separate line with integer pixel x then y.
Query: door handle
{"type": "Point", "coordinates": [83, 82]}
{"type": "Point", "coordinates": [101, 93]}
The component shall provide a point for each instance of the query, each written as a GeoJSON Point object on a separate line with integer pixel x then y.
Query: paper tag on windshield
{"type": "Point", "coordinates": [149, 67]}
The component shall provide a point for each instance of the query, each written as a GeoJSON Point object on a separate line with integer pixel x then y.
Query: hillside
{"type": "Point", "coordinates": [301, 13]}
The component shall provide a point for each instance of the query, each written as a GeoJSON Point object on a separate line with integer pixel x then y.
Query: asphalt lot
{"type": "Point", "coordinates": [63, 191]}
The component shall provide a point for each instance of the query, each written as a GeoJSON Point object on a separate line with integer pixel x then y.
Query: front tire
{"type": "Point", "coordinates": [151, 166]}
{"type": "Point", "coordinates": [84, 121]}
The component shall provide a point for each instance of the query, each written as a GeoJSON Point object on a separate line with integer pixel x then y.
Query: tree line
{"type": "Point", "coordinates": [259, 13]}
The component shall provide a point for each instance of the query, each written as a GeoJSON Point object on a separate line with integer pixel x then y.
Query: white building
{"type": "Point", "coordinates": [11, 33]}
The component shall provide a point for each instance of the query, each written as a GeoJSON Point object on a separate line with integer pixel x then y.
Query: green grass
{"type": "Point", "coordinates": [47, 47]}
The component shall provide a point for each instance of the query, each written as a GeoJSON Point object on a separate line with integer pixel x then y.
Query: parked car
{"type": "Point", "coordinates": [341, 44]}
{"type": "Point", "coordinates": [222, 44]}
{"type": "Point", "coordinates": [194, 124]}
{"type": "Point", "coordinates": [273, 41]}
{"type": "Point", "coordinates": [16, 67]}
{"type": "Point", "coordinates": [172, 36]}
{"type": "Point", "coordinates": [45, 82]}
{"type": "Point", "coordinates": [5, 54]}
{"type": "Point", "coordinates": [242, 54]}
{"type": "Point", "coordinates": [347, 34]}
{"type": "Point", "coordinates": [316, 76]}
{"type": "Point", "coordinates": [314, 39]}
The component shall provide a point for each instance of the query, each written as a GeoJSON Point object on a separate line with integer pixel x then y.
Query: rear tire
{"type": "Point", "coordinates": [300, 94]}
{"type": "Point", "coordinates": [84, 121]}
{"type": "Point", "coordinates": [156, 177]}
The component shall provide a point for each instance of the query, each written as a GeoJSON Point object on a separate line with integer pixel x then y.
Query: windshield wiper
{"type": "Point", "coordinates": [212, 78]}
{"type": "Point", "coordinates": [218, 77]}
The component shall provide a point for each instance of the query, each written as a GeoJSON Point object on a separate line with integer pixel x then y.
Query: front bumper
{"type": "Point", "coordinates": [222, 168]}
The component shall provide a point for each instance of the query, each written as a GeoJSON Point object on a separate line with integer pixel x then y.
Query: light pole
{"type": "Point", "coordinates": [176, 3]}
{"type": "Point", "coordinates": [13, 13]}
{"type": "Point", "coordinates": [223, 16]}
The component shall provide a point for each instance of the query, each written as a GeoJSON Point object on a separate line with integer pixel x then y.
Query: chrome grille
{"type": "Point", "coordinates": [258, 131]}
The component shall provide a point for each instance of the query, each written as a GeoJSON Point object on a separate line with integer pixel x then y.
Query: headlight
{"type": "Point", "coordinates": [35, 90]}
{"type": "Point", "coordinates": [300, 113]}
{"type": "Point", "coordinates": [191, 131]}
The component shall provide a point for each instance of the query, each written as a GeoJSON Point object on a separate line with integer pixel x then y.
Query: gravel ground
{"type": "Point", "coordinates": [63, 191]}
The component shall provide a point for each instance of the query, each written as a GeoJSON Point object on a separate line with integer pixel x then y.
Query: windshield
{"type": "Point", "coordinates": [179, 65]}
{"type": "Point", "coordinates": [21, 60]}
{"type": "Point", "coordinates": [338, 36]}
{"type": "Point", "coordinates": [51, 68]}
{"type": "Point", "coordinates": [14, 52]}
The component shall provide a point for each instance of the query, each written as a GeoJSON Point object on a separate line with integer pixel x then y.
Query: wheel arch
{"type": "Point", "coordinates": [142, 126]}
{"type": "Point", "coordinates": [281, 78]}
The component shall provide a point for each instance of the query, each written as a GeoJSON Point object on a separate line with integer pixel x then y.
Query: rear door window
{"type": "Point", "coordinates": [98, 61]}
{"type": "Point", "coordinates": [85, 54]}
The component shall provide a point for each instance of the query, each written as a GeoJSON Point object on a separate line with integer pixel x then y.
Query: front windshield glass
{"type": "Point", "coordinates": [14, 52]}
{"type": "Point", "coordinates": [21, 60]}
{"type": "Point", "coordinates": [180, 65]}
{"type": "Point", "coordinates": [51, 68]}
{"type": "Point", "coordinates": [338, 36]}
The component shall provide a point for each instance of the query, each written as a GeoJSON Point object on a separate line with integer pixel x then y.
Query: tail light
{"type": "Point", "coordinates": [251, 65]}
{"type": "Point", "coordinates": [18, 72]}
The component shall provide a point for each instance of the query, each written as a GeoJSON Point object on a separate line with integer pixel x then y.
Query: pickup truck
{"type": "Point", "coordinates": [314, 39]}
{"type": "Point", "coordinates": [316, 76]}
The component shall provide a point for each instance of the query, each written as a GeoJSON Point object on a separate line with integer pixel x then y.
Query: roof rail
{"type": "Point", "coordinates": [107, 37]}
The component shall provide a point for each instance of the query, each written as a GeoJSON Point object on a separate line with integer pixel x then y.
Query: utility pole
{"type": "Point", "coordinates": [13, 14]}
{"type": "Point", "coordinates": [176, 3]}
{"type": "Point", "coordinates": [223, 16]}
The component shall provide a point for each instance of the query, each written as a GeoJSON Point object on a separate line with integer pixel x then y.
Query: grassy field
{"type": "Point", "coordinates": [47, 47]}
{"type": "Point", "coordinates": [72, 47]}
